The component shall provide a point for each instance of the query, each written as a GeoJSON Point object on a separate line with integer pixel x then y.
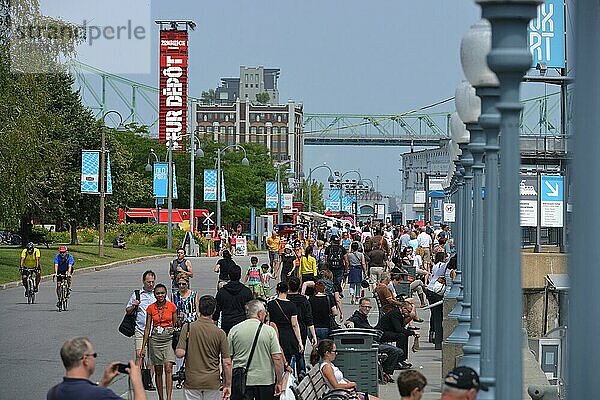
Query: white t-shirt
{"type": "Point", "coordinates": [424, 239]}
{"type": "Point", "coordinates": [339, 376]}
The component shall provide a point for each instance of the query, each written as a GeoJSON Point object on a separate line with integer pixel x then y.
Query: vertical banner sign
{"type": "Point", "coordinates": [547, 34]}
{"type": "Point", "coordinates": [210, 185]}
{"type": "Point", "coordinates": [90, 161]}
{"type": "Point", "coordinates": [348, 203]}
{"type": "Point", "coordinates": [528, 195]}
{"type": "Point", "coordinates": [334, 199]}
{"type": "Point", "coordinates": [288, 202]}
{"type": "Point", "coordinates": [241, 248]}
{"type": "Point", "coordinates": [271, 195]}
{"type": "Point", "coordinates": [552, 198]}
{"type": "Point", "coordinates": [161, 180]}
{"type": "Point", "coordinates": [172, 96]}
{"type": "Point", "coordinates": [437, 211]}
{"type": "Point", "coordinates": [449, 212]}
{"type": "Point", "coordinates": [108, 175]}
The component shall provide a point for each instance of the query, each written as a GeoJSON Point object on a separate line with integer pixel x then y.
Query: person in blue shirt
{"type": "Point", "coordinates": [63, 268]}
{"type": "Point", "coordinates": [79, 358]}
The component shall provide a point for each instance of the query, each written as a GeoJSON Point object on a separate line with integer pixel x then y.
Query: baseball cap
{"type": "Point", "coordinates": [335, 238]}
{"type": "Point", "coordinates": [288, 246]}
{"type": "Point", "coordinates": [62, 249]}
{"type": "Point", "coordinates": [464, 378]}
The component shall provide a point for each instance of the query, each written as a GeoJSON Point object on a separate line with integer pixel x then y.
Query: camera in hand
{"type": "Point", "coordinates": [122, 368]}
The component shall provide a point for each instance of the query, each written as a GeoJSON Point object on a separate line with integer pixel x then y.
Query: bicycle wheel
{"type": "Point", "coordinates": [30, 291]}
{"type": "Point", "coordinates": [63, 293]}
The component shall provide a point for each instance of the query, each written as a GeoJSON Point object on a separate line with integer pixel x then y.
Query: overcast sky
{"type": "Point", "coordinates": [342, 56]}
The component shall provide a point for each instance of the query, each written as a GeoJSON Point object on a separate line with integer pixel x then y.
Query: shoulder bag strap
{"type": "Point", "coordinates": [137, 297]}
{"type": "Point", "coordinates": [187, 341]}
{"type": "Point", "coordinates": [283, 312]}
{"type": "Point", "coordinates": [254, 345]}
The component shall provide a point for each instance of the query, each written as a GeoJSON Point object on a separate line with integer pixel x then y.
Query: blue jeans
{"type": "Point", "coordinates": [322, 333]}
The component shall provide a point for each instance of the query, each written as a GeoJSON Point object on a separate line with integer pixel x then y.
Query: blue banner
{"type": "Point", "coordinates": [347, 202]}
{"type": "Point", "coordinates": [334, 199]}
{"type": "Point", "coordinates": [108, 175]}
{"type": "Point", "coordinates": [271, 195]}
{"type": "Point", "coordinates": [210, 185]}
{"type": "Point", "coordinates": [90, 161]}
{"type": "Point", "coordinates": [546, 37]}
{"type": "Point", "coordinates": [161, 180]}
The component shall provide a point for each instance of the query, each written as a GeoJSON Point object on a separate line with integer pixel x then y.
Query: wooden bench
{"type": "Point", "coordinates": [312, 387]}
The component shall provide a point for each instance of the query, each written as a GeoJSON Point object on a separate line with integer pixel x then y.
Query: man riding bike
{"type": "Point", "coordinates": [63, 269]}
{"type": "Point", "coordinates": [30, 260]}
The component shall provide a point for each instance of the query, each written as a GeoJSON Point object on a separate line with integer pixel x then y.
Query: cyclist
{"type": "Point", "coordinates": [30, 260]}
{"type": "Point", "coordinates": [63, 269]}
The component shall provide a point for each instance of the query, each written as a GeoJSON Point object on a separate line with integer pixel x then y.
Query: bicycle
{"type": "Point", "coordinates": [63, 293]}
{"type": "Point", "coordinates": [30, 289]}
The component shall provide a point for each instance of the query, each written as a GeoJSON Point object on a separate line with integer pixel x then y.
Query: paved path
{"type": "Point", "coordinates": [32, 334]}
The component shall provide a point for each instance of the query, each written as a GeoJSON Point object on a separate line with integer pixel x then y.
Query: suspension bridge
{"type": "Point", "coordinates": [138, 103]}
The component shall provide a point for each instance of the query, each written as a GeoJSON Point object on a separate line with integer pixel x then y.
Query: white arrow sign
{"type": "Point", "coordinates": [207, 219]}
{"type": "Point", "coordinates": [553, 189]}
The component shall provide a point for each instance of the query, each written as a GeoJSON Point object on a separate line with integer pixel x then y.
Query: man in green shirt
{"type": "Point", "coordinates": [265, 371]}
{"type": "Point", "coordinates": [206, 346]}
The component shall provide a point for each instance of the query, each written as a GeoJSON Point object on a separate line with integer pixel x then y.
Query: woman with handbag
{"type": "Point", "coordinates": [284, 315]}
{"type": "Point", "coordinates": [325, 353]}
{"type": "Point", "coordinates": [358, 270]}
{"type": "Point", "coordinates": [324, 311]}
{"type": "Point", "coordinates": [161, 318]}
{"type": "Point", "coordinates": [435, 293]}
{"type": "Point", "coordinates": [186, 301]}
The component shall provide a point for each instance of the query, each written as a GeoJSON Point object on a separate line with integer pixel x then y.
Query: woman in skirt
{"type": "Point", "coordinates": [161, 317]}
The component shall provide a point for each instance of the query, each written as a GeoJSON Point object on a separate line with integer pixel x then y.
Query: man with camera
{"type": "Point", "coordinates": [79, 358]}
{"type": "Point", "coordinates": [205, 345]}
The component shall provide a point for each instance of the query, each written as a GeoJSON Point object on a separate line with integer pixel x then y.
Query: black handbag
{"type": "Point", "coordinates": [127, 326]}
{"type": "Point", "coordinates": [240, 374]}
{"type": "Point", "coordinates": [146, 377]}
{"type": "Point", "coordinates": [332, 324]}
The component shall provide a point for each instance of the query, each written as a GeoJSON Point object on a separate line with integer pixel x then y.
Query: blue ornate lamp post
{"type": "Point", "coordinates": [509, 58]}
{"type": "Point", "coordinates": [460, 135]}
{"type": "Point", "coordinates": [468, 107]}
{"type": "Point", "coordinates": [475, 47]}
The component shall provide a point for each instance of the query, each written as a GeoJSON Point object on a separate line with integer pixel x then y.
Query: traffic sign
{"type": "Point", "coordinates": [207, 218]}
{"type": "Point", "coordinates": [449, 212]}
{"type": "Point", "coordinates": [552, 198]}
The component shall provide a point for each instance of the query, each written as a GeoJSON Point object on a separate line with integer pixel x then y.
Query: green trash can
{"type": "Point", "coordinates": [357, 357]}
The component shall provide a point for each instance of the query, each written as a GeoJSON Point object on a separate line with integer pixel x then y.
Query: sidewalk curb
{"type": "Point", "coordinates": [45, 278]}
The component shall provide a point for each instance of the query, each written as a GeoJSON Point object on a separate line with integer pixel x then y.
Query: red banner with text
{"type": "Point", "coordinates": [172, 97]}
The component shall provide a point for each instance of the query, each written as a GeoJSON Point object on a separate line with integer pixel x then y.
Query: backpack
{"type": "Point", "coordinates": [335, 257]}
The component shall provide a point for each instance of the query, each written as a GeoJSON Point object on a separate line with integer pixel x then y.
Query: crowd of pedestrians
{"type": "Point", "coordinates": [243, 327]}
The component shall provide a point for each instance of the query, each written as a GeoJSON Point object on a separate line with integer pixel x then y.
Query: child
{"type": "Point", "coordinates": [265, 280]}
{"type": "Point", "coordinates": [252, 278]}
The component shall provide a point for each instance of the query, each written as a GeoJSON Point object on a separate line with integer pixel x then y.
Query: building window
{"type": "Point", "coordinates": [275, 130]}
{"type": "Point", "coordinates": [279, 118]}
{"type": "Point", "coordinates": [246, 88]}
{"type": "Point", "coordinates": [253, 130]}
{"type": "Point", "coordinates": [231, 130]}
{"type": "Point", "coordinates": [261, 130]}
{"type": "Point", "coordinates": [257, 118]}
{"type": "Point", "coordinates": [283, 129]}
{"type": "Point", "coordinates": [209, 129]}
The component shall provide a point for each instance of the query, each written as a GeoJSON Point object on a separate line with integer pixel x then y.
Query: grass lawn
{"type": "Point", "coordinates": [85, 255]}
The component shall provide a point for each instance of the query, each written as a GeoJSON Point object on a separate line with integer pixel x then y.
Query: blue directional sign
{"type": "Point", "coordinates": [552, 188]}
{"type": "Point", "coordinates": [552, 197]}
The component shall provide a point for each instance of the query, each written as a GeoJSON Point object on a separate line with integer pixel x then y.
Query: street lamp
{"type": "Point", "coordinates": [120, 128]}
{"type": "Point", "coordinates": [279, 209]}
{"type": "Point", "coordinates": [474, 49]}
{"type": "Point", "coordinates": [469, 111]}
{"type": "Point", "coordinates": [200, 153]}
{"type": "Point", "coordinates": [509, 58]}
{"type": "Point", "coordinates": [460, 136]}
{"type": "Point", "coordinates": [245, 162]}
{"type": "Point", "coordinates": [330, 179]}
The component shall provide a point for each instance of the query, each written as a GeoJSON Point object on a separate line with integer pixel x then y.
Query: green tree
{"type": "Point", "coordinates": [263, 98]}
{"type": "Point", "coordinates": [301, 194]}
{"type": "Point", "coordinates": [208, 96]}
